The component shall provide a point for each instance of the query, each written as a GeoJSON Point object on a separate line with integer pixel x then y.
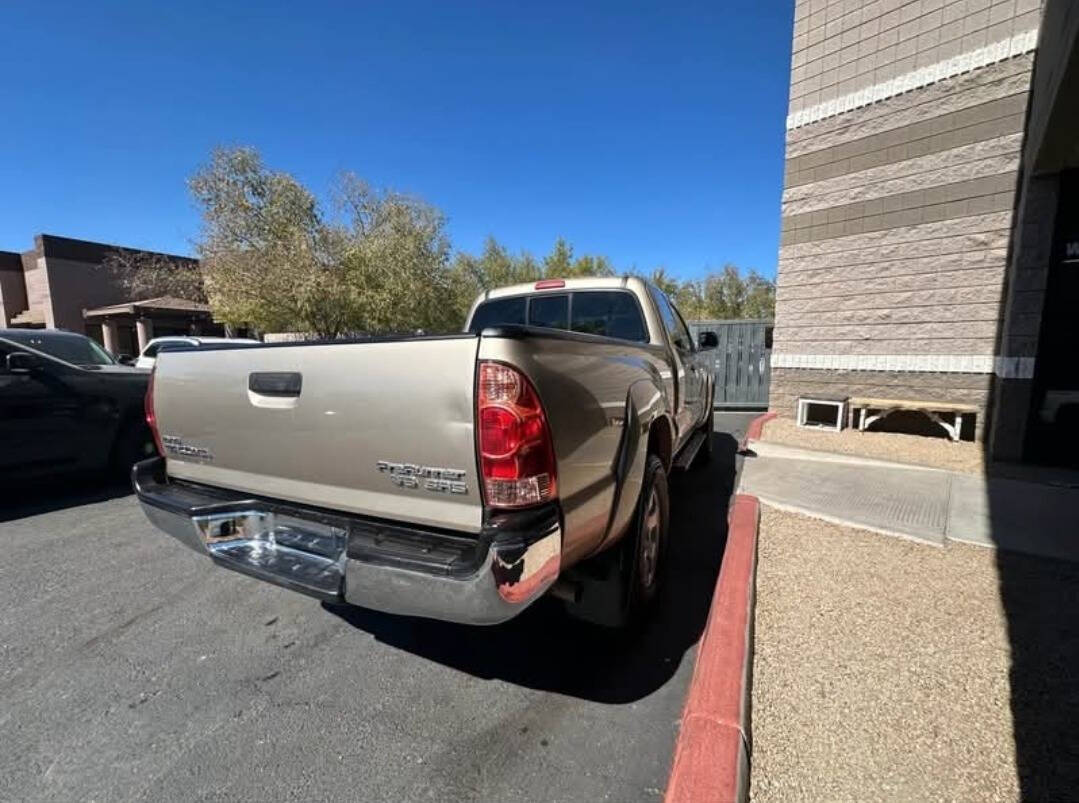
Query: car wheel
{"type": "Point", "coordinates": [646, 545]}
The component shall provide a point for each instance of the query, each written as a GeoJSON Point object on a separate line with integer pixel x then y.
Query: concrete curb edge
{"type": "Point", "coordinates": [713, 749]}
{"type": "Point", "coordinates": [755, 429]}
{"type": "Point", "coordinates": [777, 449]}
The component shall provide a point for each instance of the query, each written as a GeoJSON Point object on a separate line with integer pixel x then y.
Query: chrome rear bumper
{"type": "Point", "coordinates": [474, 579]}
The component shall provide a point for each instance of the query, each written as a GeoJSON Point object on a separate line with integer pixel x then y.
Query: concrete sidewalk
{"type": "Point", "coordinates": [928, 505]}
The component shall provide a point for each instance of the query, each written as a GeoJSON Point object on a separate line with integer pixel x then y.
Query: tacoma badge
{"type": "Point", "coordinates": [430, 478]}
{"type": "Point", "coordinates": [175, 446]}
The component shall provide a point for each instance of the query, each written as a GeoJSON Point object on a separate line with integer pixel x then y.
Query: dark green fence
{"type": "Point", "coordinates": [743, 360]}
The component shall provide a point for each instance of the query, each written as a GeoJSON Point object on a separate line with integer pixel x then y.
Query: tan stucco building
{"type": "Point", "coordinates": [61, 284]}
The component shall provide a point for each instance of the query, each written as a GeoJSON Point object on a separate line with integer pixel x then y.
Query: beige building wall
{"type": "Point", "coordinates": [36, 282]}
{"type": "Point", "coordinates": [74, 286]}
{"type": "Point", "coordinates": [12, 289]}
{"type": "Point", "coordinates": [903, 149]}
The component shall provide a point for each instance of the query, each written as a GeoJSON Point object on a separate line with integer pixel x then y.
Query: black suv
{"type": "Point", "coordinates": [66, 404]}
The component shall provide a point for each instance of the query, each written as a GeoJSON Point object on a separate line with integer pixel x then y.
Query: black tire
{"type": "Point", "coordinates": [645, 546]}
{"type": "Point", "coordinates": [133, 443]}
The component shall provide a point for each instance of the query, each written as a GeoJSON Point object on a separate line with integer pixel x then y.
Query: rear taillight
{"type": "Point", "coordinates": [516, 452]}
{"type": "Point", "coordinates": [151, 419]}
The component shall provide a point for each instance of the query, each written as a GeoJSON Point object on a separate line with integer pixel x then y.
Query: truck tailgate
{"type": "Point", "coordinates": [382, 428]}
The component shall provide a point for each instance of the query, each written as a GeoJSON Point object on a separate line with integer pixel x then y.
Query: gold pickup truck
{"type": "Point", "coordinates": [456, 477]}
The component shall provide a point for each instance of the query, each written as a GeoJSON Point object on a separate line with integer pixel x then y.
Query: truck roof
{"type": "Point", "coordinates": [582, 283]}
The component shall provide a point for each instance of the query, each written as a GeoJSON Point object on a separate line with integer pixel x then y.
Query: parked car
{"type": "Point", "coordinates": [456, 477]}
{"type": "Point", "coordinates": [66, 404]}
{"type": "Point", "coordinates": [148, 356]}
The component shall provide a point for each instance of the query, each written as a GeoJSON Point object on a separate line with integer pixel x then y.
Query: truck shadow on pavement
{"type": "Point", "coordinates": [544, 649]}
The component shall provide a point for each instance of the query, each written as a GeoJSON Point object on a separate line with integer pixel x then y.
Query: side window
{"type": "Point", "coordinates": [500, 312]}
{"type": "Point", "coordinates": [683, 329]}
{"type": "Point", "coordinates": [151, 350]}
{"type": "Point", "coordinates": [549, 311]}
{"type": "Point", "coordinates": [671, 322]}
{"type": "Point", "coordinates": [609, 314]}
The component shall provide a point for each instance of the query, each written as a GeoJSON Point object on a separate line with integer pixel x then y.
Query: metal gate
{"type": "Point", "coordinates": [743, 360]}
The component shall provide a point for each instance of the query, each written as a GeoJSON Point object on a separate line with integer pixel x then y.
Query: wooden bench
{"type": "Point", "coordinates": [931, 409]}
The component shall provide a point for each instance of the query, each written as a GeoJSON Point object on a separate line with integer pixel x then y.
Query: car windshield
{"type": "Point", "coordinates": [69, 347]}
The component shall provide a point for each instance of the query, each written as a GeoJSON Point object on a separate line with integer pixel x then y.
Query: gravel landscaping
{"type": "Point", "coordinates": [881, 668]}
{"type": "Point", "coordinates": [918, 449]}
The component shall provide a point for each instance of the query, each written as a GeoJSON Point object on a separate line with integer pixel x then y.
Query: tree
{"type": "Point", "coordinates": [495, 267]}
{"type": "Point", "coordinates": [665, 282]}
{"type": "Point", "coordinates": [725, 294]}
{"type": "Point", "coordinates": [396, 260]}
{"type": "Point", "coordinates": [145, 274]}
{"type": "Point", "coordinates": [558, 263]}
{"type": "Point", "coordinates": [690, 300]}
{"type": "Point", "coordinates": [274, 259]}
{"type": "Point", "coordinates": [590, 266]}
{"type": "Point", "coordinates": [760, 297]}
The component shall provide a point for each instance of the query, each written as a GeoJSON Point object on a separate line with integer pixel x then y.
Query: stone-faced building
{"type": "Point", "coordinates": [61, 284]}
{"type": "Point", "coordinates": [927, 207]}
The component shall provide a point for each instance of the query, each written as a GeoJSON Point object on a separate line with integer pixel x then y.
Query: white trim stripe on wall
{"type": "Point", "coordinates": [1004, 367]}
{"type": "Point", "coordinates": [1016, 45]}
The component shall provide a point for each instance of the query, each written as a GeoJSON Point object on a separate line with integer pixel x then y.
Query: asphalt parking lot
{"type": "Point", "coordinates": [131, 668]}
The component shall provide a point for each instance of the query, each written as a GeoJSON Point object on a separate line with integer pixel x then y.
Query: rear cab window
{"type": "Point", "coordinates": [500, 312]}
{"type": "Point", "coordinates": [551, 312]}
{"type": "Point", "coordinates": [607, 313]}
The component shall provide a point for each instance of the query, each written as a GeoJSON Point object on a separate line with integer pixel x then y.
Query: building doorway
{"type": "Point", "coordinates": [1053, 434]}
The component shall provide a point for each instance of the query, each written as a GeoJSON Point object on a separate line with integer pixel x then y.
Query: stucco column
{"type": "Point", "coordinates": [110, 336]}
{"type": "Point", "coordinates": [144, 330]}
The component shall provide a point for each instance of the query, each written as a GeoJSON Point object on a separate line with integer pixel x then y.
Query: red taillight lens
{"type": "Point", "coordinates": [516, 451]}
{"type": "Point", "coordinates": [151, 419]}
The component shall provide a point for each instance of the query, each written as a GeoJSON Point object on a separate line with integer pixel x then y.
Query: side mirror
{"type": "Point", "coordinates": [708, 340]}
{"type": "Point", "coordinates": [20, 362]}
{"type": "Point", "coordinates": [125, 359]}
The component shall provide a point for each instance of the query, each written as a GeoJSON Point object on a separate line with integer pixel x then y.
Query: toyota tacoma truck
{"type": "Point", "coordinates": [456, 477]}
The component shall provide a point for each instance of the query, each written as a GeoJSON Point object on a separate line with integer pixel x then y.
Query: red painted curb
{"type": "Point", "coordinates": [754, 430]}
{"type": "Point", "coordinates": [711, 756]}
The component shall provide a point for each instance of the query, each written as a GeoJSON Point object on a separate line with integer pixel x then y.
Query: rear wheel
{"type": "Point", "coordinates": [615, 588]}
{"type": "Point", "coordinates": [645, 546]}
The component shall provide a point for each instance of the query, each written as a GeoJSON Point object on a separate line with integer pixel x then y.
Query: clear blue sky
{"type": "Point", "coordinates": [650, 132]}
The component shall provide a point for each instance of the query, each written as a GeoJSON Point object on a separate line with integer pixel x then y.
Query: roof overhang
{"type": "Point", "coordinates": [164, 306]}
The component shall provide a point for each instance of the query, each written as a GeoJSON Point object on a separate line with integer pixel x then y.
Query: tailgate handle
{"type": "Point", "coordinates": [275, 383]}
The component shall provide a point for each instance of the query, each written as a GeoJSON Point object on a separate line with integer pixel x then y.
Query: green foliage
{"type": "Point", "coordinates": [273, 258]}
{"type": "Point", "coordinates": [724, 294]}
{"type": "Point", "coordinates": [665, 282]}
{"type": "Point", "coordinates": [497, 267]}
